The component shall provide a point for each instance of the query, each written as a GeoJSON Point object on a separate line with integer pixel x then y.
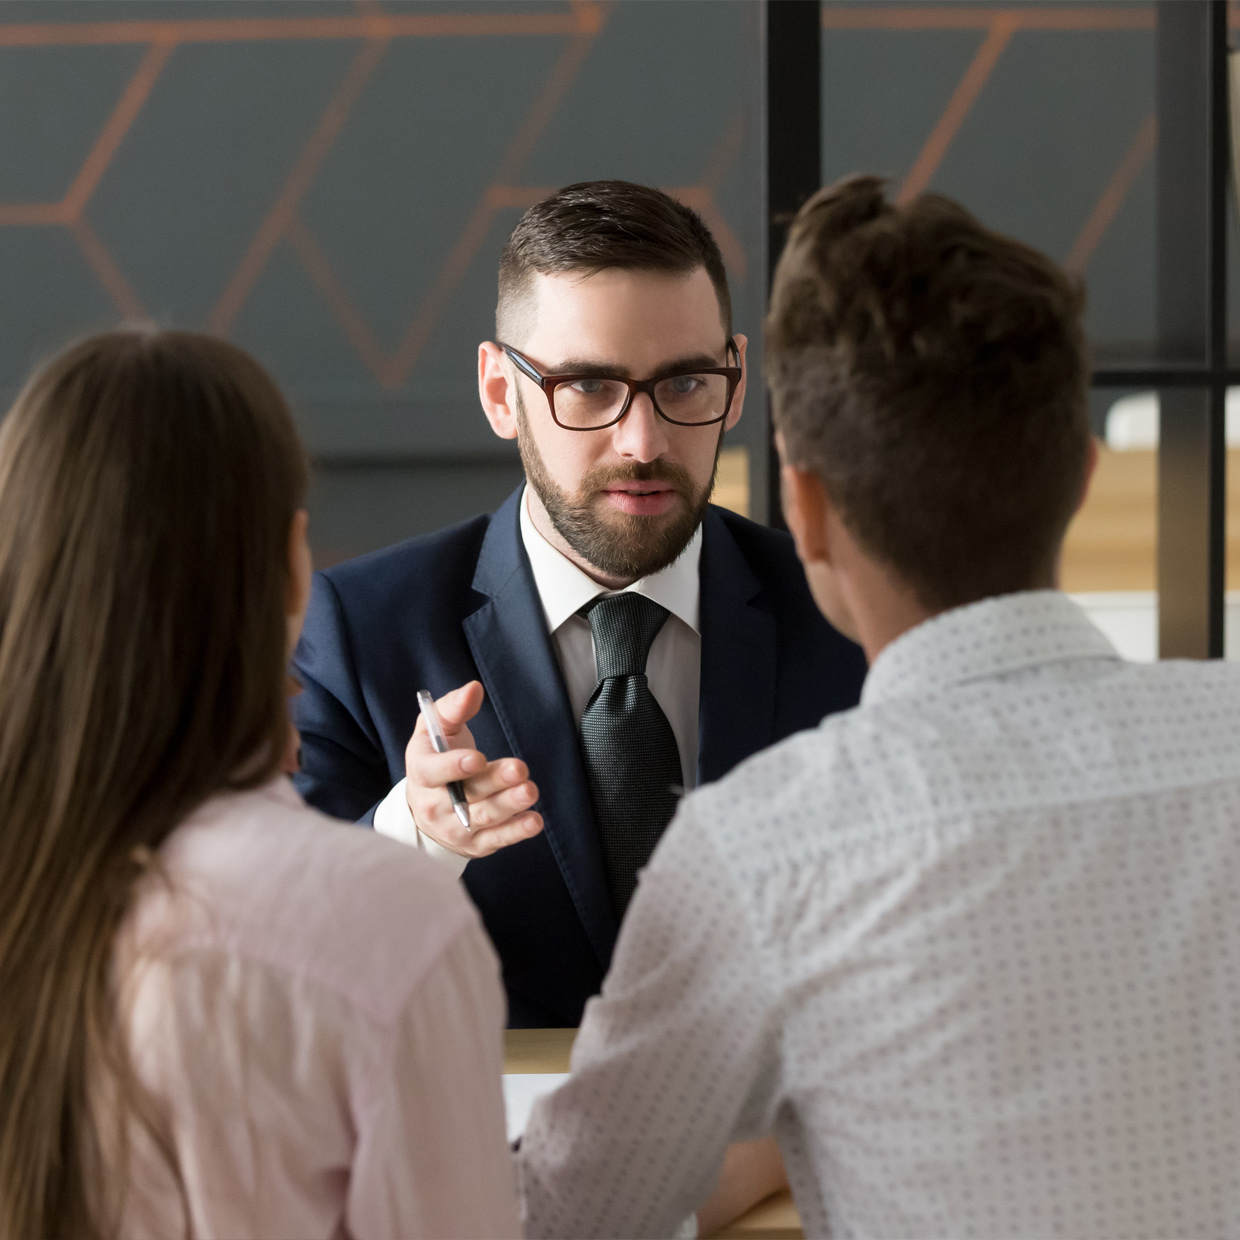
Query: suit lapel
{"type": "Point", "coordinates": [736, 714]}
{"type": "Point", "coordinates": [512, 649]}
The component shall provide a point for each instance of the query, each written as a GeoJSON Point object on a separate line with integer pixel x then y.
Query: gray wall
{"type": "Point", "coordinates": [334, 197]}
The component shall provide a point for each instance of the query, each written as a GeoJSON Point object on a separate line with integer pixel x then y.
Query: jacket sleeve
{"type": "Point", "coordinates": [343, 768]}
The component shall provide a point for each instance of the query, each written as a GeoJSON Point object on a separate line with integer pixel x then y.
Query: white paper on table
{"type": "Point", "coordinates": [521, 1091]}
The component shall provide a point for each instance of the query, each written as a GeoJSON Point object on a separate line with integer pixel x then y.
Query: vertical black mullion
{"type": "Point", "coordinates": [1186, 472]}
{"type": "Point", "coordinates": [793, 147]}
{"type": "Point", "coordinates": [1220, 169]}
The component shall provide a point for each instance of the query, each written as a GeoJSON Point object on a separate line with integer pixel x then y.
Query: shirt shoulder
{"type": "Point", "coordinates": [1062, 734]}
{"type": "Point", "coordinates": [261, 876]}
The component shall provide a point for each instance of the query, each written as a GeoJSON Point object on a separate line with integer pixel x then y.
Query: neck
{"type": "Point", "coordinates": [544, 525]}
{"type": "Point", "coordinates": [877, 630]}
{"type": "Point", "coordinates": [878, 606]}
{"type": "Point", "coordinates": [886, 609]}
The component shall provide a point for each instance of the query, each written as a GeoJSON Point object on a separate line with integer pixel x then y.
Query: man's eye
{"type": "Point", "coordinates": [684, 385]}
{"type": "Point", "coordinates": [588, 387]}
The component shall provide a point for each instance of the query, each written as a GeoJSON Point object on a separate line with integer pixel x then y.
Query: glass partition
{"type": "Point", "coordinates": [1084, 129]}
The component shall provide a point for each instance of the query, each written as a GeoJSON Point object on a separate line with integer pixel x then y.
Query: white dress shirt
{"type": "Point", "coordinates": [673, 667]}
{"type": "Point", "coordinates": [970, 950]}
{"type": "Point", "coordinates": [318, 1015]}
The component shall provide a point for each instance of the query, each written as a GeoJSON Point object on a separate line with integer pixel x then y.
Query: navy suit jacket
{"type": "Point", "coordinates": [461, 604]}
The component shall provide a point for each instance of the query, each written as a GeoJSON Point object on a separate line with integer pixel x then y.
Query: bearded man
{"type": "Point", "coordinates": [605, 640]}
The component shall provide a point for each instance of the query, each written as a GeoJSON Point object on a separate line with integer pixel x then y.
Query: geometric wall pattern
{"type": "Point", "coordinates": [329, 182]}
{"type": "Point", "coordinates": [1040, 118]}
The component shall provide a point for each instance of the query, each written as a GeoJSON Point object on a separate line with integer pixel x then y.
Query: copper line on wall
{"type": "Point", "coordinates": [299, 180]}
{"type": "Point", "coordinates": [587, 18]}
{"type": "Point", "coordinates": [718, 164]}
{"type": "Point", "coordinates": [250, 29]}
{"type": "Point", "coordinates": [518, 196]}
{"type": "Point", "coordinates": [1114, 195]}
{"type": "Point", "coordinates": [703, 202]}
{"type": "Point", "coordinates": [958, 107]}
{"type": "Point", "coordinates": [342, 306]}
{"type": "Point", "coordinates": [70, 207]}
{"type": "Point", "coordinates": [117, 126]}
{"type": "Point", "coordinates": [725, 151]}
{"type": "Point", "coordinates": [457, 262]}
{"type": "Point", "coordinates": [105, 268]}
{"type": "Point", "coordinates": [30, 214]}
{"type": "Point", "coordinates": [979, 17]}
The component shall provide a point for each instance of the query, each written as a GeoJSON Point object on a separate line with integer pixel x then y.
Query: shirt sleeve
{"type": "Point", "coordinates": [432, 1154]}
{"type": "Point", "coordinates": [394, 819]}
{"type": "Point", "coordinates": [678, 1057]}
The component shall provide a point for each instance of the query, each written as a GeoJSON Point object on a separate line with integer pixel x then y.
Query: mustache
{"type": "Point", "coordinates": [602, 476]}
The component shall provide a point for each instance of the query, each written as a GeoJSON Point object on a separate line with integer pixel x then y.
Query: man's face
{"type": "Point", "coordinates": [625, 499]}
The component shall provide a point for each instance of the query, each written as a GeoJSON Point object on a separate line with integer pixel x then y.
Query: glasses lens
{"type": "Point", "coordinates": [589, 402]}
{"type": "Point", "coordinates": [692, 398]}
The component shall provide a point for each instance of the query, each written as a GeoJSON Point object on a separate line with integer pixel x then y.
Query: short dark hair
{"type": "Point", "coordinates": [599, 224]}
{"type": "Point", "coordinates": [934, 375]}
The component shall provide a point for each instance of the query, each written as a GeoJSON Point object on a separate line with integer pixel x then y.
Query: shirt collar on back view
{"type": "Point", "coordinates": [996, 636]}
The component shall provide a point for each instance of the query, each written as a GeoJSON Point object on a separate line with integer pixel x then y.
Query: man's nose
{"type": "Point", "coordinates": [641, 434]}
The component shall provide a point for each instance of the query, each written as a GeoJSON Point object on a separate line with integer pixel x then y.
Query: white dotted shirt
{"type": "Point", "coordinates": [971, 951]}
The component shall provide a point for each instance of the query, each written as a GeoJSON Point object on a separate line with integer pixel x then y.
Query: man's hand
{"type": "Point", "coordinates": [499, 793]}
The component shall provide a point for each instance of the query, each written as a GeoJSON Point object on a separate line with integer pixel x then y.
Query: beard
{"type": "Point", "coordinates": [622, 545]}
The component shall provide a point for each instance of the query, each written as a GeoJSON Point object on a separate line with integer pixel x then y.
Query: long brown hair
{"type": "Point", "coordinates": [148, 482]}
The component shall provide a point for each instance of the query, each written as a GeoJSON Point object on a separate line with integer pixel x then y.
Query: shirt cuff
{"type": "Point", "coordinates": [394, 818]}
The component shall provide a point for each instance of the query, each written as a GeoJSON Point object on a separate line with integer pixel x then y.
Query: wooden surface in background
{"type": "Point", "coordinates": [732, 481]}
{"type": "Point", "coordinates": [537, 1050]}
{"type": "Point", "coordinates": [548, 1050]}
{"type": "Point", "coordinates": [1112, 542]}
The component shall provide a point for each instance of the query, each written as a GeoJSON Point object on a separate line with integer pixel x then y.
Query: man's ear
{"type": "Point", "coordinates": [496, 390]}
{"type": "Point", "coordinates": [738, 397]}
{"type": "Point", "coordinates": [806, 510]}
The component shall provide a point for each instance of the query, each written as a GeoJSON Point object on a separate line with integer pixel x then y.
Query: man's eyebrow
{"type": "Point", "coordinates": [602, 370]}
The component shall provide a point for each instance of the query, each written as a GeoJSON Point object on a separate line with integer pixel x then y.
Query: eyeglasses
{"type": "Point", "coordinates": [698, 397]}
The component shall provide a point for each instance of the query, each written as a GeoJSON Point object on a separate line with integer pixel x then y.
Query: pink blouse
{"type": "Point", "coordinates": [318, 1014]}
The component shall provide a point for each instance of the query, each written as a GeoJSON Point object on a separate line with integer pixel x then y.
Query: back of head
{"type": "Point", "coordinates": [148, 483]}
{"type": "Point", "coordinates": [596, 225]}
{"type": "Point", "coordinates": [933, 374]}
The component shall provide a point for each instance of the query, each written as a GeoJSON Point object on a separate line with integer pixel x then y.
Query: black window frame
{"type": "Point", "coordinates": [1194, 159]}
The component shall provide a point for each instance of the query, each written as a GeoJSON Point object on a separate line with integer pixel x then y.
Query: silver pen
{"type": "Point", "coordinates": [434, 729]}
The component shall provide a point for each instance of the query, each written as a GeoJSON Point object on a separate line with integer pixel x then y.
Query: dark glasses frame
{"type": "Point", "coordinates": [549, 383]}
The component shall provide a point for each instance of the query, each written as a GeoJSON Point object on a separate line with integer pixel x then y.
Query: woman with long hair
{"type": "Point", "coordinates": [221, 1014]}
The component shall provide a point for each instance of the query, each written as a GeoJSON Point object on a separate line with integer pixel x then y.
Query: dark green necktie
{"type": "Point", "coordinates": [631, 753]}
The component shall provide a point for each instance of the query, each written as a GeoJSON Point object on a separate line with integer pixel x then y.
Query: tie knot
{"type": "Point", "coordinates": [624, 626]}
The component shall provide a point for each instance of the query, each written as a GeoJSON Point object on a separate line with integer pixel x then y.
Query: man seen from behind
{"type": "Point", "coordinates": [970, 950]}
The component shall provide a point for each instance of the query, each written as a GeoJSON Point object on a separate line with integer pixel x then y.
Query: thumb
{"type": "Point", "coordinates": [459, 706]}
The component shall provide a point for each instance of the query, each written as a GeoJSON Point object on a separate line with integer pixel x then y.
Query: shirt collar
{"type": "Point", "coordinates": [564, 589]}
{"type": "Point", "coordinates": [997, 635]}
